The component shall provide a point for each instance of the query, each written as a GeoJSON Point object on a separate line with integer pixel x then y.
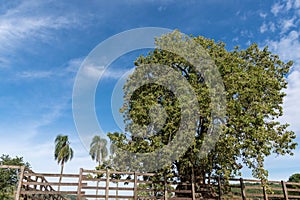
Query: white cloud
{"type": "Point", "coordinates": [267, 27]}
{"type": "Point", "coordinates": [289, 5]}
{"type": "Point", "coordinates": [114, 73]}
{"type": "Point", "coordinates": [35, 74]}
{"type": "Point", "coordinates": [71, 67]}
{"type": "Point", "coordinates": [74, 64]}
{"type": "Point", "coordinates": [276, 8]}
{"type": "Point", "coordinates": [235, 39]}
{"type": "Point", "coordinates": [93, 71]}
{"type": "Point", "coordinates": [263, 15]}
{"type": "Point", "coordinates": [291, 106]}
{"type": "Point", "coordinates": [20, 24]}
{"type": "Point", "coordinates": [14, 29]}
{"type": "Point", "coordinates": [285, 6]}
{"type": "Point", "coordinates": [288, 47]}
{"type": "Point", "coordinates": [246, 33]}
{"type": "Point", "coordinates": [286, 18]}
{"type": "Point", "coordinates": [297, 4]}
{"type": "Point", "coordinates": [263, 28]}
{"type": "Point", "coordinates": [272, 26]}
{"type": "Point", "coordinates": [286, 24]}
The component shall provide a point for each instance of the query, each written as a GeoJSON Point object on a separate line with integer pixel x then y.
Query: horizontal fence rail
{"type": "Point", "coordinates": [107, 184]}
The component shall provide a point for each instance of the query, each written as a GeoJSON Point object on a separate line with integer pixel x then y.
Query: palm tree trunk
{"type": "Point", "coordinates": [60, 177]}
{"type": "Point", "coordinates": [98, 181]}
{"type": "Point", "coordinates": [97, 190]}
{"type": "Point", "coordinates": [117, 192]}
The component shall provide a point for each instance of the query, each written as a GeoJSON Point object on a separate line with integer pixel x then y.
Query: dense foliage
{"type": "Point", "coordinates": [294, 178]}
{"type": "Point", "coordinates": [9, 177]}
{"type": "Point", "coordinates": [253, 79]}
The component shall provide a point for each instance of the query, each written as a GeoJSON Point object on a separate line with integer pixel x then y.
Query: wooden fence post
{"type": "Point", "coordinates": [135, 187]}
{"type": "Point", "coordinates": [20, 183]}
{"type": "Point", "coordinates": [79, 184]}
{"type": "Point", "coordinates": [193, 184]}
{"type": "Point", "coordinates": [107, 185]}
{"type": "Point", "coordinates": [165, 187]}
{"type": "Point", "coordinates": [243, 191]}
{"type": "Point", "coordinates": [285, 194]}
{"type": "Point", "coordinates": [220, 188]}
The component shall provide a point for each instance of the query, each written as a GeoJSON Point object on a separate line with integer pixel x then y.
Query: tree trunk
{"type": "Point", "coordinates": [98, 177]}
{"type": "Point", "coordinates": [60, 177]}
{"type": "Point", "coordinates": [117, 192]}
{"type": "Point", "coordinates": [193, 183]}
{"type": "Point", "coordinates": [97, 189]}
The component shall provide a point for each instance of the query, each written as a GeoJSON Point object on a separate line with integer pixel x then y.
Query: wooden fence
{"type": "Point", "coordinates": [254, 189]}
{"type": "Point", "coordinates": [105, 184]}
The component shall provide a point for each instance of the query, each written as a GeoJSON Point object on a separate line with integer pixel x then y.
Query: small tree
{"type": "Point", "coordinates": [295, 178]}
{"type": "Point", "coordinates": [63, 153]}
{"type": "Point", "coordinates": [9, 177]}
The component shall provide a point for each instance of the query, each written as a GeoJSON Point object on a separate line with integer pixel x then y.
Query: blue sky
{"type": "Point", "coordinates": [43, 44]}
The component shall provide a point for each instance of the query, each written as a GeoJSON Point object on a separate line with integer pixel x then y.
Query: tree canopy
{"type": "Point", "coordinates": [254, 80]}
{"type": "Point", "coordinates": [294, 178]}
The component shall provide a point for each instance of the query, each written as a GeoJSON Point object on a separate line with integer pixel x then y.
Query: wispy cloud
{"type": "Point", "coordinates": [284, 6]}
{"type": "Point", "coordinates": [287, 24]}
{"type": "Point", "coordinates": [267, 27]}
{"type": "Point", "coordinates": [246, 33]}
{"type": "Point", "coordinates": [286, 17]}
{"type": "Point", "coordinates": [20, 24]}
{"type": "Point", "coordinates": [288, 46]}
{"type": "Point", "coordinates": [289, 4]}
{"type": "Point", "coordinates": [35, 74]}
{"type": "Point", "coordinates": [276, 8]}
{"type": "Point", "coordinates": [291, 104]}
{"type": "Point", "coordinates": [263, 28]}
{"type": "Point", "coordinates": [297, 4]}
{"type": "Point", "coordinates": [69, 69]}
{"type": "Point", "coordinates": [93, 71]}
{"type": "Point", "coordinates": [74, 64]}
{"type": "Point", "coordinates": [263, 14]}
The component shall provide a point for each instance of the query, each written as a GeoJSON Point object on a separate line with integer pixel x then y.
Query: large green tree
{"type": "Point", "coordinates": [62, 153]}
{"type": "Point", "coordinates": [254, 80]}
{"type": "Point", "coordinates": [9, 177]}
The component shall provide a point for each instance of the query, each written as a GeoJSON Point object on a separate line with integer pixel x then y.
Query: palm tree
{"type": "Point", "coordinates": [63, 153]}
{"type": "Point", "coordinates": [98, 149]}
{"type": "Point", "coordinates": [98, 152]}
